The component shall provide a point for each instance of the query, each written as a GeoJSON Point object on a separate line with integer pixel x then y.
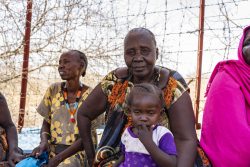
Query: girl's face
{"type": "Point", "coordinates": [70, 66]}
{"type": "Point", "coordinates": [140, 53]}
{"type": "Point", "coordinates": [246, 48]}
{"type": "Point", "coordinates": [145, 109]}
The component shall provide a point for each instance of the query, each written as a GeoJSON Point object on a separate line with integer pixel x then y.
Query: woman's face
{"type": "Point", "coordinates": [246, 48]}
{"type": "Point", "coordinates": [70, 66]}
{"type": "Point", "coordinates": [140, 53]}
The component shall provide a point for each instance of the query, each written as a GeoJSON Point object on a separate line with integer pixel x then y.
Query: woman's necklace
{"type": "Point", "coordinates": [72, 110]}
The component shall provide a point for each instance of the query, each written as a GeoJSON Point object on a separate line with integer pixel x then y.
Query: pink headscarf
{"type": "Point", "coordinates": [225, 135]}
{"type": "Point", "coordinates": [238, 69]}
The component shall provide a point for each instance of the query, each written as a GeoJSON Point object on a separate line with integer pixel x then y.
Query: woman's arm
{"type": "Point", "coordinates": [71, 150]}
{"type": "Point", "coordinates": [45, 132]}
{"type": "Point", "coordinates": [92, 107]}
{"type": "Point", "coordinates": [45, 137]}
{"type": "Point", "coordinates": [8, 125]}
{"type": "Point", "coordinates": [182, 123]}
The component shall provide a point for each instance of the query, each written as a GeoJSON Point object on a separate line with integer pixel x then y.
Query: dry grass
{"type": "Point", "coordinates": [35, 92]}
{"type": "Point", "coordinates": [37, 87]}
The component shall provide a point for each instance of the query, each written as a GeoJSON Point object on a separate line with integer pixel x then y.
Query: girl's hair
{"type": "Point", "coordinates": [141, 29]}
{"type": "Point", "coordinates": [145, 88]}
{"type": "Point", "coordinates": [82, 57]}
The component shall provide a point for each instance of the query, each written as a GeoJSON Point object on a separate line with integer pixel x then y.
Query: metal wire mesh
{"type": "Point", "coordinates": [98, 27]}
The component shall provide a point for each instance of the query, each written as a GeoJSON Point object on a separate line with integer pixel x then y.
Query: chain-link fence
{"type": "Point", "coordinates": [98, 27]}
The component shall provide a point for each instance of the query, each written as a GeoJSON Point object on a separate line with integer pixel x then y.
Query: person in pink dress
{"type": "Point", "coordinates": [225, 134]}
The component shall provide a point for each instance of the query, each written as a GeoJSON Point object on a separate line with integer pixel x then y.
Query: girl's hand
{"type": "Point", "coordinates": [145, 133]}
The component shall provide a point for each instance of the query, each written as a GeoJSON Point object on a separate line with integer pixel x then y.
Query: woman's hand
{"type": "Point", "coordinates": [44, 146]}
{"type": "Point", "coordinates": [15, 157]}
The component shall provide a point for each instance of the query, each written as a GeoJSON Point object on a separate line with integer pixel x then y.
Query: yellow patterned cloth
{"type": "Point", "coordinates": [3, 145]}
{"type": "Point", "coordinates": [63, 132]}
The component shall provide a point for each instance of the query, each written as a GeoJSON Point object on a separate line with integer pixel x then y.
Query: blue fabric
{"type": "Point", "coordinates": [34, 162]}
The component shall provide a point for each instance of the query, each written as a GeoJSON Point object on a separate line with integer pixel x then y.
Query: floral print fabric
{"type": "Point", "coordinates": [117, 89]}
{"type": "Point", "coordinates": [117, 119]}
{"type": "Point", "coordinates": [63, 132]}
{"type": "Point", "coordinates": [3, 144]}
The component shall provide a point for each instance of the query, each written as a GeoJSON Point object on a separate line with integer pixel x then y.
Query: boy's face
{"type": "Point", "coordinates": [145, 109]}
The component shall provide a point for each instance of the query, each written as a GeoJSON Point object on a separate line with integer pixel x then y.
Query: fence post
{"type": "Point", "coordinates": [25, 68]}
{"type": "Point", "coordinates": [199, 63]}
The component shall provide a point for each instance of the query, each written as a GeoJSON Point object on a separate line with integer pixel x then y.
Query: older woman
{"type": "Point", "coordinates": [8, 138]}
{"type": "Point", "coordinates": [140, 54]}
{"type": "Point", "coordinates": [59, 133]}
{"type": "Point", "coordinates": [225, 134]}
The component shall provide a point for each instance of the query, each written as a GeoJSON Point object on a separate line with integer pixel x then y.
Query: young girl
{"type": "Point", "coordinates": [146, 143]}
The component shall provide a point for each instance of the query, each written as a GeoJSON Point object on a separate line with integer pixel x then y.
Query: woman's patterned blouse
{"type": "Point", "coordinates": [117, 89]}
